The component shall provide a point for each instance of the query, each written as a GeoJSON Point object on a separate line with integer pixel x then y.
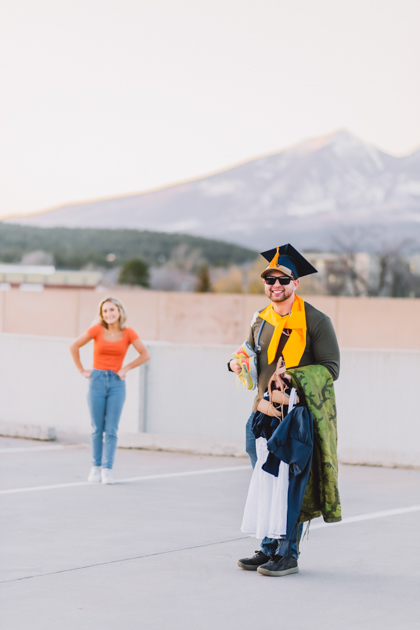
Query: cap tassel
{"type": "Point", "coordinates": [273, 264]}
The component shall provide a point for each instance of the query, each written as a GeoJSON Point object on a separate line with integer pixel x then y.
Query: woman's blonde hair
{"type": "Point", "coordinates": [123, 314]}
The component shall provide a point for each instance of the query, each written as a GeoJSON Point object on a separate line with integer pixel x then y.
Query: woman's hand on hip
{"type": "Point", "coordinates": [122, 373]}
{"type": "Point", "coordinates": [86, 373]}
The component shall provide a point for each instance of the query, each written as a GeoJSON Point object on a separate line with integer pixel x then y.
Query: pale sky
{"type": "Point", "coordinates": [110, 97]}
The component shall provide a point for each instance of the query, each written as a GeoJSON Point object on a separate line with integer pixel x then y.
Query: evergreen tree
{"type": "Point", "coordinates": [135, 272]}
{"type": "Point", "coordinates": [203, 275]}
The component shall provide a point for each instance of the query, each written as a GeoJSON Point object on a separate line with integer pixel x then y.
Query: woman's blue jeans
{"type": "Point", "coordinates": [268, 545]}
{"type": "Point", "coordinates": [106, 399]}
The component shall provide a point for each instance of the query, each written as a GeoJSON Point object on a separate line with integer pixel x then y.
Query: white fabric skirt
{"type": "Point", "coordinates": [266, 505]}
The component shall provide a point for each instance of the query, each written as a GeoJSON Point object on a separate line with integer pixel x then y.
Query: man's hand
{"type": "Point", "coordinates": [235, 367]}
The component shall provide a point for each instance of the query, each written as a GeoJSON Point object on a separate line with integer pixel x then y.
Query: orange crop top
{"type": "Point", "coordinates": [109, 355]}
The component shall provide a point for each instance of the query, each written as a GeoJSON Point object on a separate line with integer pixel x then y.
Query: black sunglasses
{"type": "Point", "coordinates": [273, 279]}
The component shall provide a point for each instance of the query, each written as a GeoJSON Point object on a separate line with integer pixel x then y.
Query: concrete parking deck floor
{"type": "Point", "coordinates": [159, 549]}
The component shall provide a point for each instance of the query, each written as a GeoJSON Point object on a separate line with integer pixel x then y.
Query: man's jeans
{"type": "Point", "coordinates": [106, 400]}
{"type": "Point", "coordinates": [251, 449]}
{"type": "Point", "coordinates": [268, 545]}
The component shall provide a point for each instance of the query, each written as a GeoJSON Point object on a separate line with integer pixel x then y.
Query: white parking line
{"type": "Point", "coordinates": [368, 517]}
{"type": "Point", "coordinates": [188, 473]}
{"type": "Point", "coordinates": [31, 449]}
{"type": "Point", "coordinates": [208, 471]}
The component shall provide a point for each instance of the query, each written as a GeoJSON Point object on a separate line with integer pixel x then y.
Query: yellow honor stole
{"type": "Point", "coordinates": [296, 321]}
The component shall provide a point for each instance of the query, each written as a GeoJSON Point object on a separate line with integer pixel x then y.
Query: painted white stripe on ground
{"type": "Point", "coordinates": [188, 473]}
{"type": "Point", "coordinates": [206, 471]}
{"type": "Point", "coordinates": [368, 517]}
{"type": "Point", "coordinates": [31, 449]}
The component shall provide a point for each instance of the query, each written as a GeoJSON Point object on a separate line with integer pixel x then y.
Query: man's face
{"type": "Point", "coordinates": [280, 292]}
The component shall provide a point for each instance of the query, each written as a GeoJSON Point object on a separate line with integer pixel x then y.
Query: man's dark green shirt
{"type": "Point", "coordinates": [321, 346]}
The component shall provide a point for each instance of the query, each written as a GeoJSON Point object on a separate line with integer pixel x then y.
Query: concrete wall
{"type": "Point", "coordinates": [184, 399]}
{"type": "Point", "coordinates": [206, 318]}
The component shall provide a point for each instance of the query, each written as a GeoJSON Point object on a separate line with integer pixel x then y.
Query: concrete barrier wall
{"type": "Point", "coordinates": [206, 318]}
{"type": "Point", "coordinates": [184, 399]}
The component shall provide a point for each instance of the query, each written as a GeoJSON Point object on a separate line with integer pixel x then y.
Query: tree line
{"type": "Point", "coordinates": [74, 248]}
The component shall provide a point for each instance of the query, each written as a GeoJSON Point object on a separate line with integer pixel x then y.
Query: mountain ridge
{"type": "Point", "coordinates": [304, 193]}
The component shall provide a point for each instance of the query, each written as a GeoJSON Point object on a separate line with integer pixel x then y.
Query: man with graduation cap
{"type": "Point", "coordinates": [303, 336]}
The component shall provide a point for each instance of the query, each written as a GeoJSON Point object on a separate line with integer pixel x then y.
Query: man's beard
{"type": "Point", "coordinates": [282, 298]}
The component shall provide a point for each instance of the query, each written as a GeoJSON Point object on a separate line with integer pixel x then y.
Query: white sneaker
{"type": "Point", "coordinates": [106, 476]}
{"type": "Point", "coordinates": [95, 473]}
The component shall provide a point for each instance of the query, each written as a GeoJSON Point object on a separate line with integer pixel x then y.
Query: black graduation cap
{"type": "Point", "coordinates": [288, 260]}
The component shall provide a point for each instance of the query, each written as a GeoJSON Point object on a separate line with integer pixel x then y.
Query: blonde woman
{"type": "Point", "coordinates": [107, 381]}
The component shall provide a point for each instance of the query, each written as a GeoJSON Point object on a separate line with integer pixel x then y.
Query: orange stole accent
{"type": "Point", "coordinates": [296, 321]}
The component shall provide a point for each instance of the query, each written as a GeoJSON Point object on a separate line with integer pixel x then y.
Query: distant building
{"type": "Point", "coordinates": [40, 277]}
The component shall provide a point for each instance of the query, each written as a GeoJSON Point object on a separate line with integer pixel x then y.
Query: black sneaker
{"type": "Point", "coordinates": [252, 564]}
{"type": "Point", "coordinates": [279, 565]}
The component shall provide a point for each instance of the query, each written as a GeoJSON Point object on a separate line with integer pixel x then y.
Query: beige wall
{"type": "Point", "coordinates": [206, 318]}
{"type": "Point", "coordinates": [173, 405]}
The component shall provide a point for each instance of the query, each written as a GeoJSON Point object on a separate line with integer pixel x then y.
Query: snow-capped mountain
{"type": "Point", "coordinates": [303, 194]}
